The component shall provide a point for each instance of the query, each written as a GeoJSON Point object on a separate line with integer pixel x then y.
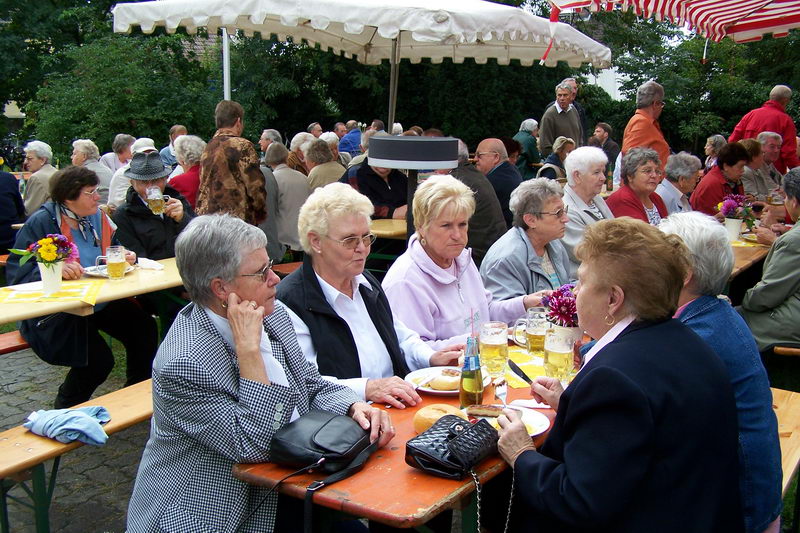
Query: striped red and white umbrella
{"type": "Point", "coordinates": [741, 20]}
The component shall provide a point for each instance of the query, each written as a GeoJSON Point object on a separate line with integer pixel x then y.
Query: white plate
{"type": "Point", "coordinates": [536, 422]}
{"type": "Point", "coordinates": [100, 271]}
{"type": "Point", "coordinates": [418, 376]}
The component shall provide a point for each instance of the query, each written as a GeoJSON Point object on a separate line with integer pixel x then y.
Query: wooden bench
{"type": "Point", "coordinates": [3, 260]}
{"type": "Point", "coordinates": [284, 269]}
{"type": "Point", "coordinates": [23, 452]}
{"type": "Point", "coordinates": [12, 342]}
{"type": "Point", "coordinates": [786, 350]}
{"type": "Point", "coordinates": [787, 409]}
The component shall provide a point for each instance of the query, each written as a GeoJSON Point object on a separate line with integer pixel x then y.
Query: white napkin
{"type": "Point", "coordinates": [530, 404]}
{"type": "Point", "coordinates": [149, 264]}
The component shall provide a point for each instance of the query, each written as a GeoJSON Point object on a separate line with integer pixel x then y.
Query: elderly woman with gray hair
{"type": "Point", "coordinates": [712, 148]}
{"type": "Point", "coordinates": [717, 323]}
{"type": "Point", "coordinates": [86, 154]}
{"type": "Point", "coordinates": [585, 167]}
{"type": "Point", "coordinates": [343, 320]}
{"type": "Point", "coordinates": [434, 287]}
{"type": "Point", "coordinates": [120, 153]}
{"type": "Point", "coordinates": [530, 259]}
{"type": "Point", "coordinates": [682, 172]}
{"type": "Point", "coordinates": [37, 188]}
{"type": "Point", "coordinates": [529, 155]}
{"type": "Point", "coordinates": [637, 198]}
{"type": "Point", "coordinates": [188, 150]}
{"type": "Point", "coordinates": [228, 375]}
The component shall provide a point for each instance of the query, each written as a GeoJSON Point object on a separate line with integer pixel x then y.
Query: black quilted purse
{"type": "Point", "coordinates": [451, 447]}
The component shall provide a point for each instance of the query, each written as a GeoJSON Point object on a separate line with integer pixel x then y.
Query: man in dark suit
{"type": "Point", "coordinates": [491, 158]}
{"type": "Point", "coordinates": [603, 133]}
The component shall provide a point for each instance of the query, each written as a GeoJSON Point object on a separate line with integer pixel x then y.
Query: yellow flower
{"type": "Point", "coordinates": [48, 252]}
{"type": "Point", "coordinates": [46, 240]}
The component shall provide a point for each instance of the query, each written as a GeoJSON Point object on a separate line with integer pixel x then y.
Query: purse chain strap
{"type": "Point", "coordinates": [478, 500]}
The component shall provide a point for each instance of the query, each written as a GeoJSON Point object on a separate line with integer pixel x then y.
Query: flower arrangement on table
{"type": "Point", "coordinates": [561, 309]}
{"type": "Point", "coordinates": [736, 206]}
{"type": "Point", "coordinates": [48, 250]}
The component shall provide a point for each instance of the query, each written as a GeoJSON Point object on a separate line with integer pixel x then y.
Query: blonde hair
{"type": "Point", "coordinates": [331, 201]}
{"type": "Point", "coordinates": [437, 193]}
{"type": "Point", "coordinates": [649, 266]}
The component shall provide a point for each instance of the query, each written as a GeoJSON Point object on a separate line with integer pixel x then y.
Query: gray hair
{"type": "Point", "coordinates": [317, 151]}
{"type": "Point", "coordinates": [780, 92]}
{"type": "Point", "coordinates": [41, 149]}
{"type": "Point", "coordinates": [580, 159]}
{"type": "Point", "coordinates": [366, 136]}
{"type": "Point", "coordinates": [212, 246]}
{"type": "Point", "coordinates": [647, 93]}
{"type": "Point", "coordinates": [710, 249]}
{"type": "Point", "coordinates": [635, 158]}
{"type": "Point", "coordinates": [121, 142]}
{"type": "Point", "coordinates": [529, 125]}
{"type": "Point", "coordinates": [717, 142]}
{"type": "Point", "coordinates": [331, 138]}
{"type": "Point", "coordinates": [397, 128]}
{"type": "Point", "coordinates": [564, 87]}
{"type": "Point", "coordinates": [87, 147]}
{"type": "Point", "coordinates": [332, 201]}
{"type": "Point", "coordinates": [682, 165]}
{"type": "Point", "coordinates": [463, 152]}
{"type": "Point", "coordinates": [273, 135]}
{"type": "Point", "coordinates": [189, 149]}
{"type": "Point", "coordinates": [530, 196]}
{"type": "Point", "coordinates": [764, 136]}
{"type": "Point", "coordinates": [299, 140]}
{"type": "Point", "coordinates": [276, 154]}
{"type": "Point", "coordinates": [791, 184]}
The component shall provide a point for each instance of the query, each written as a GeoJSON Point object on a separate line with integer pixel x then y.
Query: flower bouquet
{"type": "Point", "coordinates": [736, 209]}
{"type": "Point", "coordinates": [561, 309]}
{"type": "Point", "coordinates": [50, 253]}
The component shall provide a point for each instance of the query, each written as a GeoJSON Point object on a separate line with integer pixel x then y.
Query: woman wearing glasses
{"type": "Point", "coordinates": [637, 198]}
{"type": "Point", "coordinates": [435, 288]}
{"type": "Point", "coordinates": [70, 340]}
{"type": "Point", "coordinates": [343, 320]}
{"type": "Point", "coordinates": [529, 258]}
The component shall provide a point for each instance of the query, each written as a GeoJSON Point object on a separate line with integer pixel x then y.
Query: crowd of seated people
{"type": "Point", "coordinates": [333, 335]}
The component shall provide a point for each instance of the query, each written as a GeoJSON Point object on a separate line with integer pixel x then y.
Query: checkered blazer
{"type": "Point", "coordinates": [206, 418]}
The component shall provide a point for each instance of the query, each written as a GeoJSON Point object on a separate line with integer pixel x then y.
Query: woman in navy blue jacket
{"type": "Point", "coordinates": [645, 435]}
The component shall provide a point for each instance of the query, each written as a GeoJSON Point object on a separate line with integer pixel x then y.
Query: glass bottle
{"type": "Point", "coordinates": [470, 391]}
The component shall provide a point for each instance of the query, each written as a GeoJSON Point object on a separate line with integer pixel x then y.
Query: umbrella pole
{"type": "Point", "coordinates": [393, 72]}
{"type": "Point", "coordinates": [226, 66]}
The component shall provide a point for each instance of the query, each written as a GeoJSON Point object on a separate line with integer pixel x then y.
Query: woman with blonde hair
{"type": "Point", "coordinates": [343, 320]}
{"type": "Point", "coordinates": [645, 436]}
{"type": "Point", "coordinates": [435, 287]}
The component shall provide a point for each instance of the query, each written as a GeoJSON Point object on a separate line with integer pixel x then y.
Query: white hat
{"type": "Point", "coordinates": [143, 145]}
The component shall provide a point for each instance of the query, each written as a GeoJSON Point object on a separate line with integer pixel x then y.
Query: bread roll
{"type": "Point", "coordinates": [428, 415]}
{"type": "Point", "coordinates": [449, 379]}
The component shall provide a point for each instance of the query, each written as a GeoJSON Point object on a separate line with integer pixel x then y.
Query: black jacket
{"type": "Point", "coordinates": [336, 348]}
{"type": "Point", "coordinates": [149, 235]}
{"type": "Point", "coordinates": [504, 179]}
{"type": "Point", "coordinates": [487, 223]}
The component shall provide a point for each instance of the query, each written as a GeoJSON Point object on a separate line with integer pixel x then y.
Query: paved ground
{"type": "Point", "coordinates": [94, 483]}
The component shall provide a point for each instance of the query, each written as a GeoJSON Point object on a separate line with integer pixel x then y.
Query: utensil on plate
{"type": "Point", "coordinates": [501, 392]}
{"type": "Point", "coordinates": [426, 380]}
{"type": "Point", "coordinates": [519, 372]}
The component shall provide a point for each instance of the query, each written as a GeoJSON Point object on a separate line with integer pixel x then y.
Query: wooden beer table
{"type": "Point", "coordinates": [387, 489]}
{"type": "Point", "coordinates": [747, 256]}
{"type": "Point", "coordinates": [139, 281]}
{"type": "Point", "coordinates": [389, 228]}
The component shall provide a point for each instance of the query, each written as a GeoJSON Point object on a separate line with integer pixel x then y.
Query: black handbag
{"type": "Point", "coordinates": [451, 447]}
{"type": "Point", "coordinates": [334, 444]}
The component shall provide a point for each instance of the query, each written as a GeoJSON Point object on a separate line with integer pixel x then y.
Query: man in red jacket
{"type": "Point", "coordinates": [772, 116]}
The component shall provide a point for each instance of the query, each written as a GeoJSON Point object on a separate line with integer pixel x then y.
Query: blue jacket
{"type": "Point", "coordinates": [717, 323]}
{"type": "Point", "coordinates": [351, 142]}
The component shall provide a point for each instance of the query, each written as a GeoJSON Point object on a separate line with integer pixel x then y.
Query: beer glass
{"type": "Point", "coordinates": [115, 262]}
{"type": "Point", "coordinates": [493, 343]}
{"type": "Point", "coordinates": [156, 199]}
{"type": "Point", "coordinates": [558, 356]}
{"type": "Point", "coordinates": [535, 324]}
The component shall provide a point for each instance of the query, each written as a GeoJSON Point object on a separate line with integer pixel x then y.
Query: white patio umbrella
{"type": "Point", "coordinates": [374, 30]}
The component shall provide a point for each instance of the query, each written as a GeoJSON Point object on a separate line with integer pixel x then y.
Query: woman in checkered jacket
{"type": "Point", "coordinates": [227, 376]}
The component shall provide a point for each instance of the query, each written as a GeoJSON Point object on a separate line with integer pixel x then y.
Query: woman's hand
{"type": "Point", "coordinates": [174, 209]}
{"type": "Point", "coordinates": [547, 390]}
{"type": "Point", "coordinates": [392, 391]}
{"type": "Point", "coordinates": [764, 235]}
{"type": "Point", "coordinates": [130, 257]}
{"type": "Point", "coordinates": [246, 320]}
{"type": "Point", "coordinates": [71, 270]}
{"type": "Point", "coordinates": [535, 299]}
{"type": "Point", "coordinates": [514, 438]}
{"type": "Point", "coordinates": [447, 356]}
{"type": "Point", "coordinates": [376, 420]}
{"type": "Point", "coordinates": [400, 212]}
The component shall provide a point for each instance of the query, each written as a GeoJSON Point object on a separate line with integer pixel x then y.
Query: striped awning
{"type": "Point", "coordinates": [741, 20]}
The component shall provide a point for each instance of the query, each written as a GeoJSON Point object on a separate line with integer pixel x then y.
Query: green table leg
{"type": "Point", "coordinates": [41, 500]}
{"type": "Point", "coordinates": [4, 527]}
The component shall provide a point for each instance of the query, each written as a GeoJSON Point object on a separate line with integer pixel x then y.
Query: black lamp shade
{"type": "Point", "coordinates": [406, 152]}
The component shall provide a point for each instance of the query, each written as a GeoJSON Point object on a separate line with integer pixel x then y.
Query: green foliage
{"type": "Point", "coordinates": [136, 85]}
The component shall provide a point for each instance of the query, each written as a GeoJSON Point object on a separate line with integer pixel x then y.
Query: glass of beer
{"type": "Point", "coordinates": [115, 262]}
{"type": "Point", "coordinates": [558, 356]}
{"type": "Point", "coordinates": [493, 343]}
{"type": "Point", "coordinates": [156, 200]}
{"type": "Point", "coordinates": [535, 324]}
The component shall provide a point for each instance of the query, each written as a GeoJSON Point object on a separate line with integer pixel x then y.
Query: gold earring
{"type": "Point", "coordinates": [612, 320]}
{"type": "Point", "coordinates": [224, 304]}
{"type": "Point", "coordinates": [423, 242]}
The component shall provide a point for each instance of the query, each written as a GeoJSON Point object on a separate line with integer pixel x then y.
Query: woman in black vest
{"type": "Point", "coordinates": [343, 321]}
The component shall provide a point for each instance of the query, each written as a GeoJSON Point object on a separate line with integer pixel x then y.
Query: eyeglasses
{"type": "Point", "coordinates": [351, 243]}
{"type": "Point", "coordinates": [92, 192]}
{"type": "Point", "coordinates": [558, 214]}
{"type": "Point", "coordinates": [478, 155]}
{"type": "Point", "coordinates": [263, 273]}
{"type": "Point", "coordinates": [660, 104]}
